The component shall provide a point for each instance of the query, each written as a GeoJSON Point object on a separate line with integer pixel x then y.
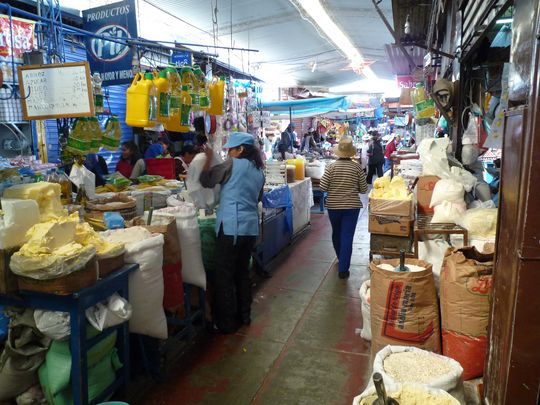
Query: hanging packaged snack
{"type": "Point", "coordinates": [96, 134]}
{"type": "Point", "coordinates": [79, 141]}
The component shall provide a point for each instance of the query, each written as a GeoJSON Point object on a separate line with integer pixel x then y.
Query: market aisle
{"type": "Point", "coordinates": [301, 346]}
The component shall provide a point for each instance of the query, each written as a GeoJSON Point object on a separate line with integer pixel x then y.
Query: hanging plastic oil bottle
{"type": "Point", "coordinates": [163, 96]}
{"type": "Point", "coordinates": [175, 101]}
{"type": "Point", "coordinates": [188, 79]}
{"type": "Point", "coordinates": [204, 99]}
{"type": "Point", "coordinates": [141, 102]}
{"type": "Point", "coordinates": [185, 110]}
{"type": "Point", "coordinates": [65, 186]}
{"type": "Point", "coordinates": [97, 133]}
{"type": "Point", "coordinates": [112, 135]}
{"type": "Point", "coordinates": [98, 93]}
{"type": "Point", "coordinates": [79, 141]}
{"type": "Point", "coordinates": [217, 91]}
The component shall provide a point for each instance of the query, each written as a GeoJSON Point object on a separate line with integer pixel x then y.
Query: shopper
{"type": "Point", "coordinates": [288, 140]}
{"type": "Point", "coordinates": [131, 164]}
{"type": "Point", "coordinates": [344, 180]}
{"type": "Point", "coordinates": [159, 149]}
{"type": "Point", "coordinates": [391, 147]}
{"type": "Point", "coordinates": [237, 227]}
{"type": "Point", "coordinates": [97, 165]}
{"type": "Point", "coordinates": [375, 157]}
{"type": "Point", "coordinates": [184, 159]}
{"type": "Point", "coordinates": [308, 143]}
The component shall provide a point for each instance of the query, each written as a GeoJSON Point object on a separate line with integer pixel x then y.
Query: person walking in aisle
{"type": "Point", "coordinates": [237, 227]}
{"type": "Point", "coordinates": [344, 180]}
{"type": "Point", "coordinates": [375, 157]}
{"type": "Point", "coordinates": [391, 147]}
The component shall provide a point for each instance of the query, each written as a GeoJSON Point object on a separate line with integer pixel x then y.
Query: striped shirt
{"type": "Point", "coordinates": [344, 180]}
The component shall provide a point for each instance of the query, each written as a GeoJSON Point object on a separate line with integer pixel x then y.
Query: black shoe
{"type": "Point", "coordinates": [344, 274]}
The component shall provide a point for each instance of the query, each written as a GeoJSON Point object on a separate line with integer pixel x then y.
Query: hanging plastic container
{"type": "Point", "coordinates": [186, 109]}
{"type": "Point", "coordinates": [79, 141]}
{"type": "Point", "coordinates": [141, 102]}
{"type": "Point", "coordinates": [113, 134]}
{"type": "Point", "coordinates": [204, 99]}
{"type": "Point", "coordinates": [163, 96]}
{"type": "Point", "coordinates": [189, 79]}
{"type": "Point", "coordinates": [97, 134]}
{"type": "Point", "coordinates": [175, 102]}
{"type": "Point", "coordinates": [217, 93]}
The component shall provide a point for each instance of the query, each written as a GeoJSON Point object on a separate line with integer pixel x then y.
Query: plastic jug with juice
{"type": "Point", "coordinates": [80, 138]}
{"type": "Point", "coordinates": [141, 102]}
{"type": "Point", "coordinates": [185, 110]}
{"type": "Point", "coordinates": [112, 135]}
{"type": "Point", "coordinates": [299, 168]}
{"type": "Point", "coordinates": [204, 99]}
{"type": "Point", "coordinates": [217, 92]}
{"type": "Point", "coordinates": [163, 96]}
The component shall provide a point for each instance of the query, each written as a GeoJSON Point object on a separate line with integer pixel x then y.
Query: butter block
{"type": "Point", "coordinates": [46, 237]}
{"type": "Point", "coordinates": [47, 196]}
{"type": "Point", "coordinates": [19, 217]}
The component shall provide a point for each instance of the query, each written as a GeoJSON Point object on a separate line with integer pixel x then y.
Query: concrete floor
{"type": "Point", "coordinates": [301, 347]}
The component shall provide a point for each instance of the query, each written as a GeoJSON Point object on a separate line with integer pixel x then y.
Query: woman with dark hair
{"type": "Point", "coordinates": [237, 227]}
{"type": "Point", "coordinates": [131, 164]}
{"type": "Point", "coordinates": [375, 157]}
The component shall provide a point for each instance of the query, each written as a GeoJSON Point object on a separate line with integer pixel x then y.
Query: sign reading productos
{"type": "Point", "coordinates": [111, 58]}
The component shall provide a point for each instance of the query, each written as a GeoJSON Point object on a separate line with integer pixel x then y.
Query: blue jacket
{"type": "Point", "coordinates": [153, 151]}
{"type": "Point", "coordinates": [238, 208]}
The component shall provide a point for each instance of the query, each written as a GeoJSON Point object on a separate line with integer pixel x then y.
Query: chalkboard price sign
{"type": "Point", "coordinates": [56, 90]}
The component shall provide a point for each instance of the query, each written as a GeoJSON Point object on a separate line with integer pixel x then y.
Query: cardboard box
{"type": "Point", "coordinates": [391, 244]}
{"type": "Point", "coordinates": [424, 190]}
{"type": "Point", "coordinates": [390, 225]}
{"type": "Point", "coordinates": [399, 208]}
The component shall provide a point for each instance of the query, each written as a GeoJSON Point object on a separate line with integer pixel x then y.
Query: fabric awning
{"type": "Point", "coordinates": [307, 107]}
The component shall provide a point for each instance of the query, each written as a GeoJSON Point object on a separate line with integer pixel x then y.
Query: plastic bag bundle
{"type": "Point", "coordinates": [203, 198]}
{"type": "Point", "coordinates": [366, 310]}
{"type": "Point", "coordinates": [480, 222]}
{"type": "Point", "coordinates": [111, 312]}
{"type": "Point", "coordinates": [448, 213]}
{"type": "Point", "coordinates": [53, 324]}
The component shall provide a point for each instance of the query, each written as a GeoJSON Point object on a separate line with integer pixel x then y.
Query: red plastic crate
{"type": "Point", "coordinates": [165, 167]}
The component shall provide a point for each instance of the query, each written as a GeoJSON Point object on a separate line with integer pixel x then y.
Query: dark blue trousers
{"type": "Point", "coordinates": [343, 227]}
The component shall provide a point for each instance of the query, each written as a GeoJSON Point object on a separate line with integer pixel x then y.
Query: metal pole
{"type": "Point", "coordinates": [290, 115]}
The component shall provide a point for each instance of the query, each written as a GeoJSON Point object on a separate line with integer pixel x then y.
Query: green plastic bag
{"type": "Point", "coordinates": [208, 243]}
{"type": "Point", "coordinates": [57, 364]}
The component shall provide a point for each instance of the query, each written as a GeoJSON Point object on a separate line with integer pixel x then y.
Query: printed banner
{"type": "Point", "coordinates": [21, 33]}
{"type": "Point", "coordinates": [112, 59]}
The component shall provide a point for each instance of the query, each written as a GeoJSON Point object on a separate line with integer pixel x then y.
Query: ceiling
{"type": "Point", "coordinates": [288, 44]}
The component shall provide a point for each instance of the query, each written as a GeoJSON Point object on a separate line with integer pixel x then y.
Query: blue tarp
{"type": "Point", "coordinates": [280, 197]}
{"type": "Point", "coordinates": [307, 106]}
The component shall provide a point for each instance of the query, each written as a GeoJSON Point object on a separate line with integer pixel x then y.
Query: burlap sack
{"type": "Point", "coordinates": [465, 286]}
{"type": "Point", "coordinates": [167, 227]}
{"type": "Point", "coordinates": [404, 308]}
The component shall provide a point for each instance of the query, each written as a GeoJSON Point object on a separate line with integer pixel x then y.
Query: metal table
{"type": "Point", "coordinates": [423, 226]}
{"type": "Point", "coordinates": [76, 304]}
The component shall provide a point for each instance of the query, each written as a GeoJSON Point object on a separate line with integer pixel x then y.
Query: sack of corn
{"type": "Point", "coordinates": [405, 364]}
{"type": "Point", "coordinates": [465, 286]}
{"type": "Point", "coordinates": [408, 394]}
{"type": "Point", "coordinates": [404, 307]}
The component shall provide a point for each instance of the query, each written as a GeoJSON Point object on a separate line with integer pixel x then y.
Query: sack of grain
{"type": "Point", "coordinates": [404, 364]}
{"type": "Point", "coordinates": [407, 394]}
{"type": "Point", "coordinates": [404, 307]}
{"type": "Point", "coordinates": [366, 310]}
{"type": "Point", "coordinates": [466, 285]}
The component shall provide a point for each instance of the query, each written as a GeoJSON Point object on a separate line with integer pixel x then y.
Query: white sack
{"type": "Point", "coordinates": [81, 175]}
{"type": "Point", "coordinates": [53, 324]}
{"type": "Point", "coordinates": [190, 243]}
{"type": "Point", "coordinates": [432, 251]}
{"type": "Point", "coordinates": [447, 190]}
{"type": "Point", "coordinates": [366, 310]}
{"type": "Point", "coordinates": [203, 198]}
{"type": "Point", "coordinates": [393, 388]}
{"type": "Point", "coordinates": [146, 283]}
{"type": "Point", "coordinates": [111, 312]}
{"type": "Point", "coordinates": [315, 169]}
{"type": "Point", "coordinates": [450, 382]}
{"type": "Point", "coordinates": [448, 213]}
{"type": "Point", "coordinates": [433, 156]}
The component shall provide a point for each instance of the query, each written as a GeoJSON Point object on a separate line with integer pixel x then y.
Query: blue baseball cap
{"type": "Point", "coordinates": [239, 138]}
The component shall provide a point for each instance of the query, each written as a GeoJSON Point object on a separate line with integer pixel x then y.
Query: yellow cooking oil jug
{"type": "Point", "coordinates": [204, 99]}
{"type": "Point", "coordinates": [217, 92]}
{"type": "Point", "coordinates": [141, 101]}
{"type": "Point", "coordinates": [163, 96]}
{"type": "Point", "coordinates": [175, 102]}
{"type": "Point", "coordinates": [186, 109]}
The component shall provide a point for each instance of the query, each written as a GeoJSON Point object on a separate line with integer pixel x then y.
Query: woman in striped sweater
{"type": "Point", "coordinates": [344, 180]}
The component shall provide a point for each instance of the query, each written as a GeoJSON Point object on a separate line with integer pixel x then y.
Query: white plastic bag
{"type": "Point", "coordinates": [315, 169]}
{"type": "Point", "coordinates": [480, 222]}
{"type": "Point", "coordinates": [447, 190]}
{"type": "Point", "coordinates": [366, 310]}
{"type": "Point", "coordinates": [433, 156]}
{"type": "Point", "coordinates": [190, 243]}
{"type": "Point", "coordinates": [145, 284]}
{"type": "Point", "coordinates": [448, 213]}
{"type": "Point", "coordinates": [203, 198]}
{"type": "Point", "coordinates": [81, 175]}
{"type": "Point", "coordinates": [111, 312]}
{"type": "Point", "coordinates": [432, 251]}
{"type": "Point", "coordinates": [53, 324]}
{"type": "Point", "coordinates": [450, 382]}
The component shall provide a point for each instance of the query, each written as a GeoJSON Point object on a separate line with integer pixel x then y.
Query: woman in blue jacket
{"type": "Point", "coordinates": [237, 227]}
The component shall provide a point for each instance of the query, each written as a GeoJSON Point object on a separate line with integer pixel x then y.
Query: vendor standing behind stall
{"type": "Point", "coordinates": [391, 147]}
{"type": "Point", "coordinates": [237, 227]}
{"type": "Point", "coordinates": [131, 164]}
{"type": "Point", "coordinates": [344, 180]}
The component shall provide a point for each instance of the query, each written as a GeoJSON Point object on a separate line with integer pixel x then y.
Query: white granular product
{"type": "Point", "coordinates": [415, 367]}
{"type": "Point", "coordinates": [412, 267]}
{"type": "Point", "coordinates": [415, 396]}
